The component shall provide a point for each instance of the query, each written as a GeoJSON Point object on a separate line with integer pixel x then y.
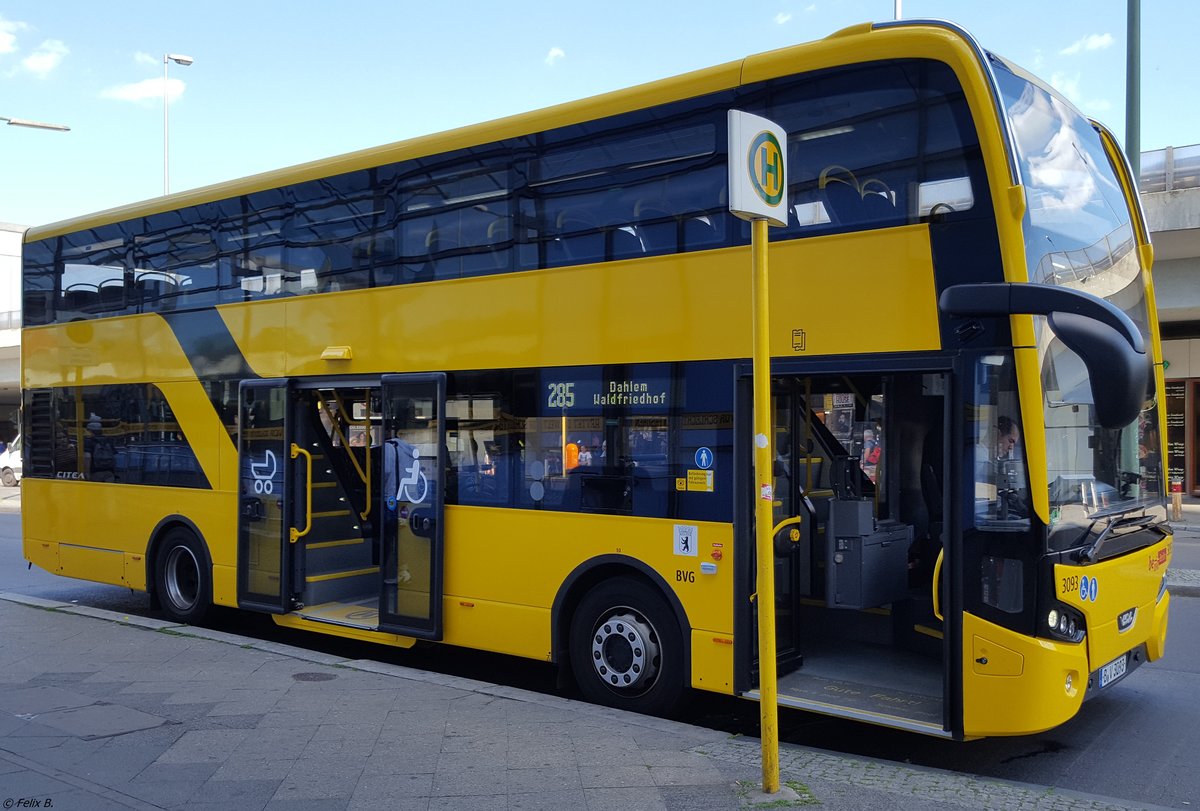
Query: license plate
{"type": "Point", "coordinates": [1113, 671]}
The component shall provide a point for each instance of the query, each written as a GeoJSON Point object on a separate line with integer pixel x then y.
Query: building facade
{"type": "Point", "coordinates": [1170, 186]}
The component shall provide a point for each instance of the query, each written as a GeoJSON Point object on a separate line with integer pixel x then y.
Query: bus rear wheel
{"type": "Point", "coordinates": [182, 577]}
{"type": "Point", "coordinates": [627, 648]}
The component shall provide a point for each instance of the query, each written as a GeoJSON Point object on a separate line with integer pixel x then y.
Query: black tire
{"type": "Point", "coordinates": [183, 577]}
{"type": "Point", "coordinates": [8, 477]}
{"type": "Point", "coordinates": [627, 648]}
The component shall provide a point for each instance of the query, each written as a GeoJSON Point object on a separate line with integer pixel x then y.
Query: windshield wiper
{"type": "Point", "coordinates": [1118, 509]}
{"type": "Point", "coordinates": [1116, 519]}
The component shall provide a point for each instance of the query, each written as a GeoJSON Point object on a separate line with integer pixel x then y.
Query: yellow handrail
{"type": "Point", "coordinates": [335, 423]}
{"type": "Point", "coordinates": [937, 574]}
{"type": "Point", "coordinates": [293, 533]}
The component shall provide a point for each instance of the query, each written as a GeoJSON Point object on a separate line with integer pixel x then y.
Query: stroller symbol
{"type": "Point", "coordinates": [263, 472]}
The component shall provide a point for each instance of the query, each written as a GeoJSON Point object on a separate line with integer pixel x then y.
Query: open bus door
{"type": "Point", "coordinates": [861, 494]}
{"type": "Point", "coordinates": [269, 559]}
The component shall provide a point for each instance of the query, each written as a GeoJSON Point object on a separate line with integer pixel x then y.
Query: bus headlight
{"type": "Point", "coordinates": [1065, 623]}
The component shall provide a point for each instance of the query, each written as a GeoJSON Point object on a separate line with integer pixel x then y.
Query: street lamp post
{"type": "Point", "coordinates": [178, 59]}
{"type": "Point", "coordinates": [36, 125]}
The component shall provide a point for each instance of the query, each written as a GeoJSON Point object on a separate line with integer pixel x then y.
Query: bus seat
{"type": "Point", "coordinates": [499, 241]}
{"type": "Point", "coordinates": [112, 295]}
{"type": "Point", "coordinates": [842, 195]}
{"type": "Point", "coordinates": [579, 239]}
{"type": "Point", "coordinates": [699, 230]}
{"type": "Point", "coordinates": [440, 245]}
{"type": "Point", "coordinates": [879, 202]}
{"type": "Point", "coordinates": [625, 241]}
{"type": "Point", "coordinates": [657, 227]}
{"type": "Point", "coordinates": [80, 297]}
{"type": "Point", "coordinates": [147, 290]}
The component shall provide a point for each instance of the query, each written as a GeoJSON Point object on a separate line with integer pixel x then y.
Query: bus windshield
{"type": "Point", "coordinates": [1079, 234]}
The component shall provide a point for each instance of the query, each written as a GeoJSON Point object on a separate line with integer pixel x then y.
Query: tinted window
{"type": "Point", "coordinates": [612, 439]}
{"type": "Point", "coordinates": [876, 145]}
{"type": "Point", "coordinates": [119, 433]}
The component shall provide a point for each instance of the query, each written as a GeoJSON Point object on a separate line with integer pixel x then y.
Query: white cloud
{"type": "Point", "coordinates": [147, 89]}
{"type": "Point", "coordinates": [782, 17]}
{"type": "Point", "coordinates": [143, 58]}
{"type": "Point", "coordinates": [811, 8]}
{"type": "Point", "coordinates": [1068, 85]}
{"type": "Point", "coordinates": [1092, 42]}
{"type": "Point", "coordinates": [48, 56]}
{"type": "Point", "coordinates": [554, 56]}
{"type": "Point", "coordinates": [8, 35]}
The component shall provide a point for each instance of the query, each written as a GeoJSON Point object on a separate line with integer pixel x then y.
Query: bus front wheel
{"type": "Point", "coordinates": [182, 578]}
{"type": "Point", "coordinates": [627, 648]}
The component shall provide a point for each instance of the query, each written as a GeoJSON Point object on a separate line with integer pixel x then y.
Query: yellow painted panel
{"type": "Point", "coordinates": [41, 553]}
{"type": "Point", "coordinates": [499, 627]}
{"type": "Point", "coordinates": [225, 585]}
{"type": "Point", "coordinates": [98, 565]}
{"type": "Point", "coordinates": [135, 571]}
{"type": "Point", "coordinates": [523, 557]}
{"type": "Point", "coordinates": [515, 320]}
{"type": "Point", "coordinates": [712, 661]}
{"type": "Point", "coordinates": [1035, 700]}
{"type": "Point", "coordinates": [1129, 581]}
{"type": "Point", "coordinates": [992, 659]}
{"type": "Point", "coordinates": [893, 307]}
{"type": "Point", "coordinates": [131, 512]}
{"type": "Point", "coordinates": [1033, 428]}
{"type": "Point", "coordinates": [1156, 646]}
{"type": "Point", "coordinates": [98, 352]}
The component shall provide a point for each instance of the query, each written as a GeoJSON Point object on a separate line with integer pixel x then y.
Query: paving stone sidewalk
{"type": "Point", "coordinates": [103, 711]}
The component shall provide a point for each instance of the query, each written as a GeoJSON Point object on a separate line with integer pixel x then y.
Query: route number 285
{"type": "Point", "coordinates": [562, 395]}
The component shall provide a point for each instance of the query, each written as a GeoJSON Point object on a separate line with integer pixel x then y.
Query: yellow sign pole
{"type": "Point", "coordinates": [758, 193]}
{"type": "Point", "coordinates": [764, 515]}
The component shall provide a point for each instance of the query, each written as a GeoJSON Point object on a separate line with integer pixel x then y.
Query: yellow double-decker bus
{"type": "Point", "coordinates": [491, 388]}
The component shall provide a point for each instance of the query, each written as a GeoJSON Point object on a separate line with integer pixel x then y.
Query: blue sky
{"type": "Point", "coordinates": [278, 83]}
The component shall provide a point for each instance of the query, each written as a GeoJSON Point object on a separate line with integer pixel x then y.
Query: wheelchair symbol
{"type": "Point", "coordinates": [263, 473]}
{"type": "Point", "coordinates": [416, 480]}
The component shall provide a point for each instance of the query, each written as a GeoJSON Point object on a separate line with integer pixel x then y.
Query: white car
{"type": "Point", "coordinates": [10, 463]}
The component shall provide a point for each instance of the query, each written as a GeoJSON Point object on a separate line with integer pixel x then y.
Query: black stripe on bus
{"type": "Point", "coordinates": [209, 345]}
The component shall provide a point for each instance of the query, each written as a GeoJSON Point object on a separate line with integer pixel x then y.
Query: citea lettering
{"type": "Point", "coordinates": [69, 475]}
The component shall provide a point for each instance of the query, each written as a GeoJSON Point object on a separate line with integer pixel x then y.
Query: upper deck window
{"type": "Point", "coordinates": [876, 145]}
{"type": "Point", "coordinates": [872, 145]}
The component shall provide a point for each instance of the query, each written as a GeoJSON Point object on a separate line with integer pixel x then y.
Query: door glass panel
{"type": "Point", "coordinates": [411, 494]}
{"type": "Point", "coordinates": [262, 525]}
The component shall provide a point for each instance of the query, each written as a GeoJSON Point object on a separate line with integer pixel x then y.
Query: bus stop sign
{"type": "Point", "coordinates": [757, 168]}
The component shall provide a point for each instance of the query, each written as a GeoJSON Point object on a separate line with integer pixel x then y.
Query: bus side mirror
{"type": "Point", "coordinates": [1105, 338]}
{"type": "Point", "coordinates": [1118, 374]}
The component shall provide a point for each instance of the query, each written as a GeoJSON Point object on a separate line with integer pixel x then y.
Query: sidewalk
{"type": "Point", "coordinates": [102, 711]}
